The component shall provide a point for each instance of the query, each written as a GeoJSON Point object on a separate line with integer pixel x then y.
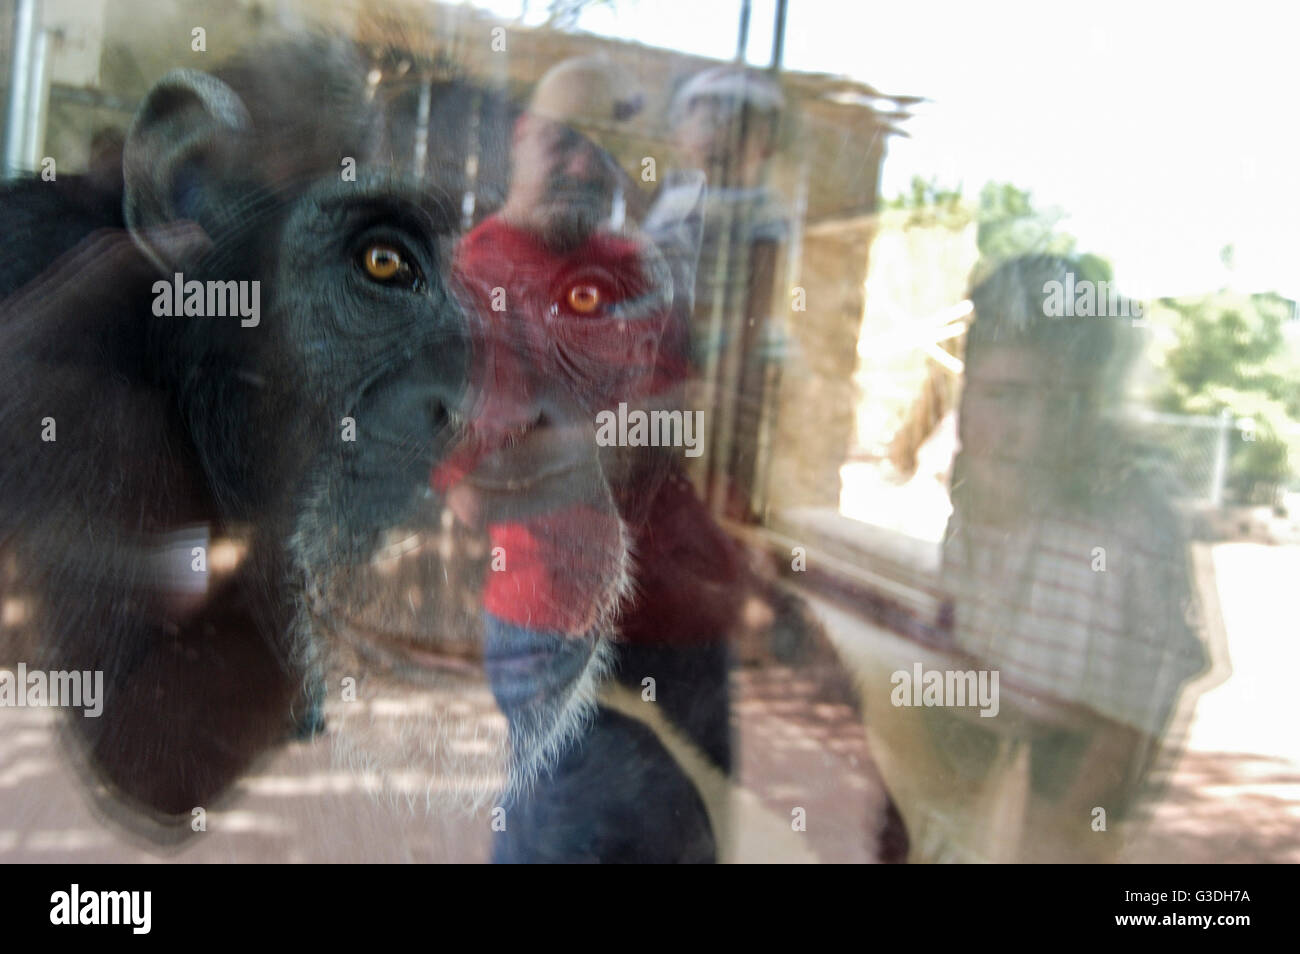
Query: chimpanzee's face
{"type": "Point", "coordinates": [391, 586]}
{"type": "Point", "coordinates": [389, 579]}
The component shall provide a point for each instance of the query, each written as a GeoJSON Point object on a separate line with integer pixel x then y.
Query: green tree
{"type": "Point", "coordinates": [1008, 225]}
{"type": "Point", "coordinates": [1230, 353]}
{"type": "Point", "coordinates": [929, 204]}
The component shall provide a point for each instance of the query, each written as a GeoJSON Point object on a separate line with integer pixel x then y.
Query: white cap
{"type": "Point", "coordinates": [734, 84]}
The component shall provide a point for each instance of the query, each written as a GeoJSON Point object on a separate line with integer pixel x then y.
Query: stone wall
{"type": "Point", "coordinates": [816, 399]}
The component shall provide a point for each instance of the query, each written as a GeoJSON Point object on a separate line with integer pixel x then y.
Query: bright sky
{"type": "Point", "coordinates": [1164, 131]}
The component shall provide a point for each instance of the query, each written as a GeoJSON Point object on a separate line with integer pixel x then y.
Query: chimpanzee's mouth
{"type": "Point", "coordinates": [513, 483]}
{"type": "Point", "coordinates": [536, 456]}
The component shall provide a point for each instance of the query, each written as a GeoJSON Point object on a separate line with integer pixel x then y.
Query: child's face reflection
{"type": "Point", "coordinates": [1018, 411]}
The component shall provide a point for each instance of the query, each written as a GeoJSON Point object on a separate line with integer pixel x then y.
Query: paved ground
{"type": "Point", "coordinates": [799, 750]}
{"type": "Point", "coordinates": [796, 752]}
{"type": "Point", "coordinates": [1235, 796]}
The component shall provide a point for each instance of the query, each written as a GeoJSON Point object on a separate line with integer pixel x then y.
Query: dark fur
{"type": "Point", "coordinates": [168, 422]}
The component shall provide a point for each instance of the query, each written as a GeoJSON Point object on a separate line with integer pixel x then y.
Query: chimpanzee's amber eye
{"type": "Point", "coordinates": [384, 263]}
{"type": "Point", "coordinates": [584, 299]}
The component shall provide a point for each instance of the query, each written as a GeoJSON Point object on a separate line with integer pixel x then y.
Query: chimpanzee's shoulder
{"type": "Point", "coordinates": [42, 220]}
{"type": "Point", "coordinates": [78, 199]}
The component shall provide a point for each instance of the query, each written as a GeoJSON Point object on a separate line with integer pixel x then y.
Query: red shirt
{"type": "Point", "coordinates": [586, 328]}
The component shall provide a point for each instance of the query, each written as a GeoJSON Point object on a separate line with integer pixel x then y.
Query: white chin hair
{"type": "Point", "coordinates": [448, 749]}
{"type": "Point", "coordinates": [443, 746]}
{"type": "Point", "coordinates": [538, 744]}
{"type": "Point", "coordinates": [434, 749]}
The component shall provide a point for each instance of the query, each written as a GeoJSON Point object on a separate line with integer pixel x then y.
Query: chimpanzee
{"type": "Point", "coordinates": [228, 378]}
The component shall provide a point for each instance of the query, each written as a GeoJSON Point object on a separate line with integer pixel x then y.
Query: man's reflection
{"type": "Point", "coordinates": [575, 319]}
{"type": "Point", "coordinates": [725, 124]}
{"type": "Point", "coordinates": [562, 182]}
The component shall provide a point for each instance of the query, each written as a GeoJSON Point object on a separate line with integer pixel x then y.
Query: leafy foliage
{"type": "Point", "coordinates": [1230, 353]}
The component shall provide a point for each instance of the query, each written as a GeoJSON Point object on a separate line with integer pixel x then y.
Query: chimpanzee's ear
{"type": "Point", "coordinates": [183, 140]}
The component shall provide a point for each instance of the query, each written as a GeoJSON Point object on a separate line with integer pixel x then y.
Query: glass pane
{"type": "Point", "coordinates": [551, 430]}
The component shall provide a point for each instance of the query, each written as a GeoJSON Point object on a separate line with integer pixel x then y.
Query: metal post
{"type": "Point", "coordinates": [422, 110]}
{"type": "Point", "coordinates": [742, 42]}
{"type": "Point", "coordinates": [38, 99]}
{"type": "Point", "coordinates": [20, 70]}
{"type": "Point", "coordinates": [778, 37]}
{"type": "Point", "coordinates": [1226, 425]}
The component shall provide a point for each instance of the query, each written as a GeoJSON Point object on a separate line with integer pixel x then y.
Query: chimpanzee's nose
{"type": "Point", "coordinates": [515, 388]}
{"type": "Point", "coordinates": [505, 401]}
